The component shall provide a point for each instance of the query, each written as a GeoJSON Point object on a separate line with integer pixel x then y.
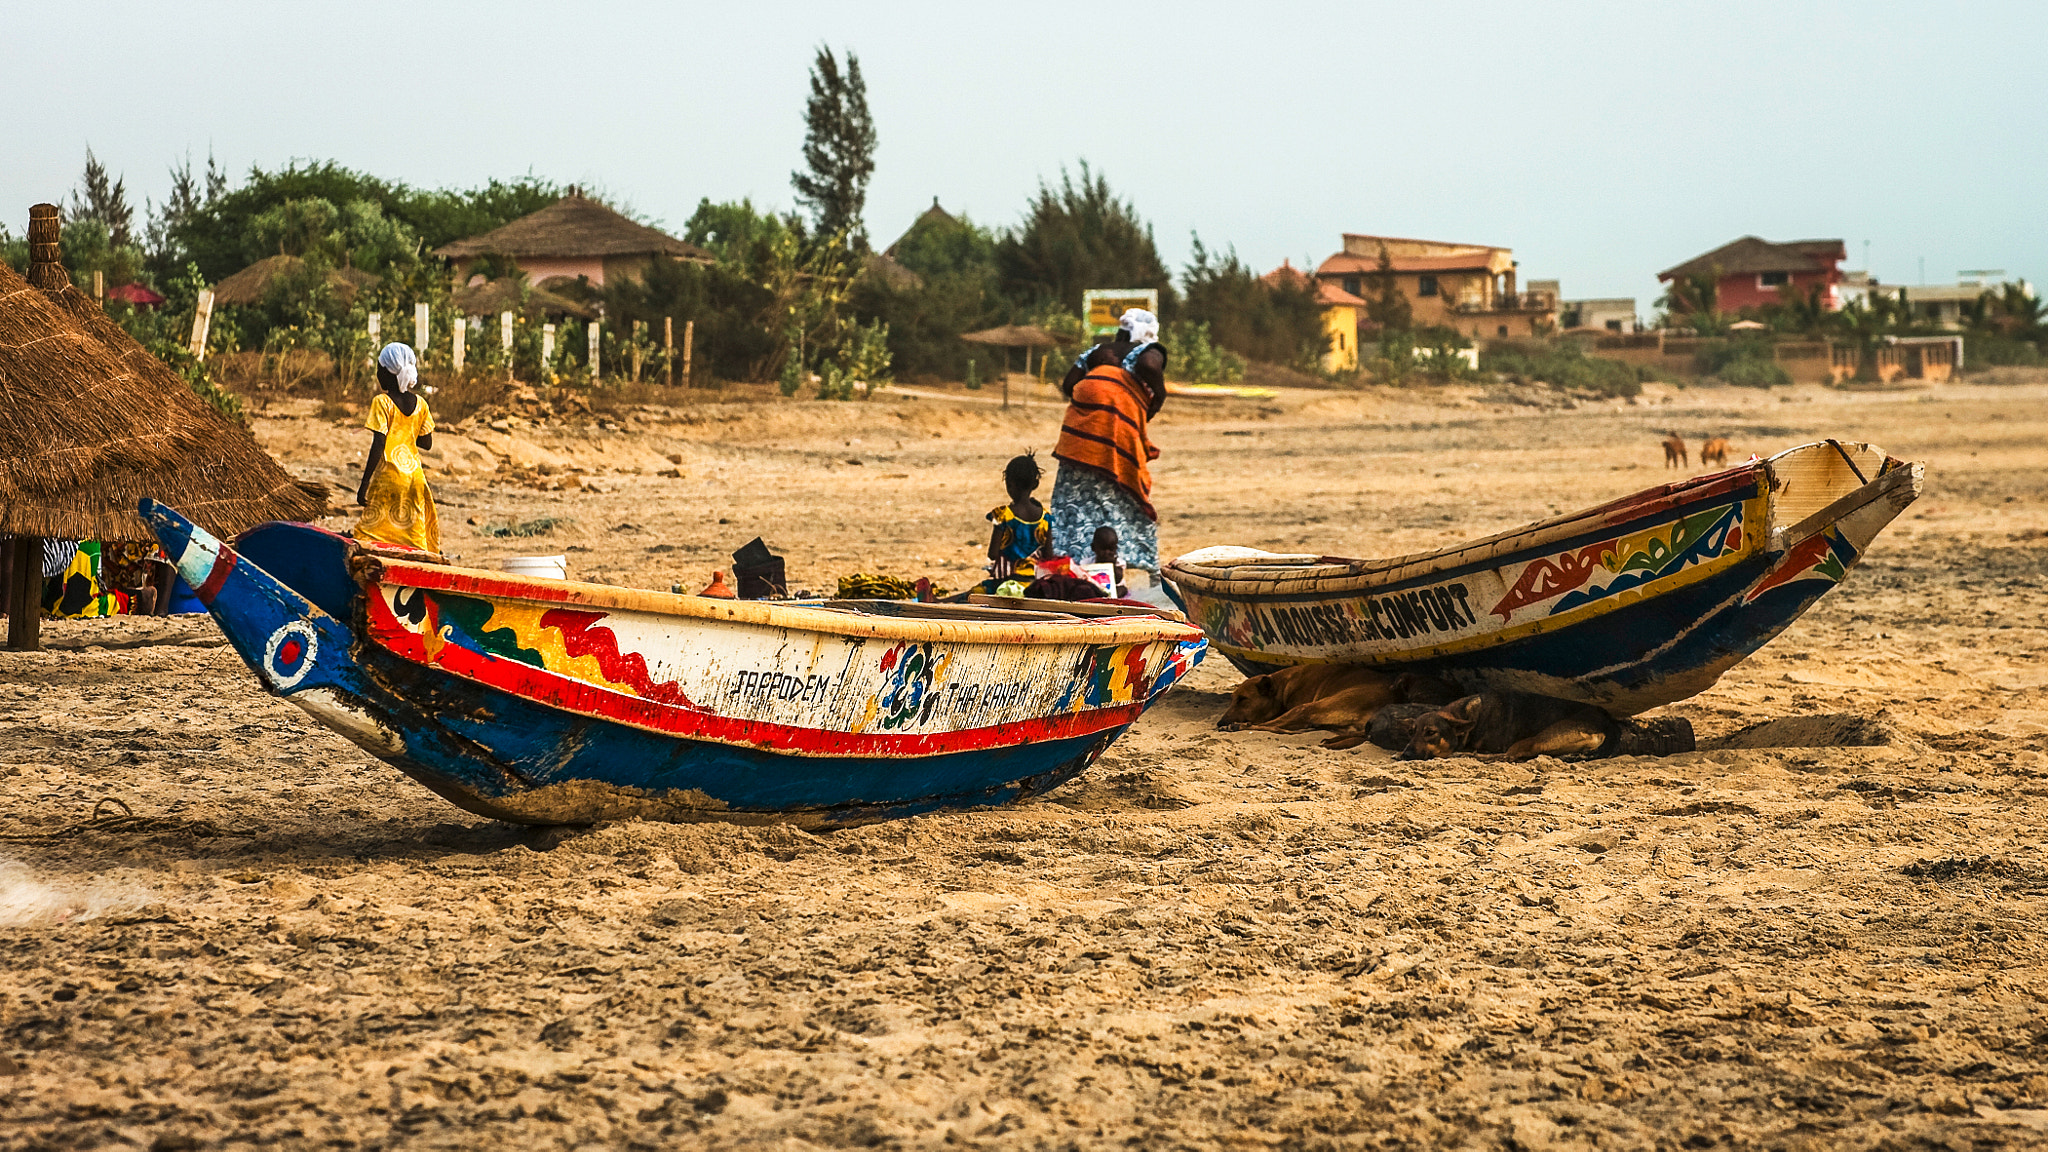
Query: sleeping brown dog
{"type": "Point", "coordinates": [1518, 725]}
{"type": "Point", "coordinates": [1262, 700]}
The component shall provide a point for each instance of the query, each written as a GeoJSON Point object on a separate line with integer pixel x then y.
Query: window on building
{"type": "Point", "coordinates": [1351, 285]}
{"type": "Point", "coordinates": [1773, 279]}
{"type": "Point", "coordinates": [1503, 329]}
{"type": "Point", "coordinates": [1425, 286]}
{"type": "Point", "coordinates": [1614, 325]}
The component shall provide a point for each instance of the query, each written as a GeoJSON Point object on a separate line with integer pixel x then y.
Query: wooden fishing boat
{"type": "Point", "coordinates": [1630, 605]}
{"type": "Point", "coordinates": [556, 702]}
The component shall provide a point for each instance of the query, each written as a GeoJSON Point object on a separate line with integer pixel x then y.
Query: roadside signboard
{"type": "Point", "coordinates": [1100, 307]}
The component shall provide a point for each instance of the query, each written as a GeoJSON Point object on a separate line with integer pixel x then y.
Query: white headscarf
{"type": "Point", "coordinates": [1142, 325]}
{"type": "Point", "coordinates": [398, 359]}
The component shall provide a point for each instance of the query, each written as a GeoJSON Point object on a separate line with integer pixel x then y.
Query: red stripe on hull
{"type": "Point", "coordinates": [585, 699]}
{"type": "Point", "coordinates": [223, 563]}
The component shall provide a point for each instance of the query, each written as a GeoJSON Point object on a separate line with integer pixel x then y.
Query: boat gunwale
{"type": "Point", "coordinates": [1335, 575]}
{"type": "Point", "coordinates": [486, 584]}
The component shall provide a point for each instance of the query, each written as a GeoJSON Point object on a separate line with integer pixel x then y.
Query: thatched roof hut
{"type": "Point", "coordinates": [250, 285]}
{"type": "Point", "coordinates": [575, 236]}
{"type": "Point", "coordinates": [90, 423]}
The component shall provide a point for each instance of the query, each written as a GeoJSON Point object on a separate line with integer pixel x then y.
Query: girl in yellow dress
{"type": "Point", "coordinates": [397, 506]}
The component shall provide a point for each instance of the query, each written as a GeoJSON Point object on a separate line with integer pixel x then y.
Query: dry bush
{"type": "Point", "coordinates": [457, 397]}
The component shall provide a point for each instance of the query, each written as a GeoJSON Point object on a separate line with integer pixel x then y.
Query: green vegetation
{"type": "Point", "coordinates": [1076, 237]}
{"type": "Point", "coordinates": [1563, 364]}
{"type": "Point", "coordinates": [839, 150]}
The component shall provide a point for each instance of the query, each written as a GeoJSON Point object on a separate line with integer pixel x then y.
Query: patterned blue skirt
{"type": "Point", "coordinates": [1084, 499]}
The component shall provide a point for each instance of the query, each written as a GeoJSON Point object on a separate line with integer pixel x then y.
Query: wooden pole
{"type": "Point", "coordinates": [25, 599]}
{"type": "Point", "coordinates": [420, 330]}
{"type": "Point", "coordinates": [99, 285]}
{"type": "Point", "coordinates": [202, 319]}
{"type": "Point", "coordinates": [668, 347]}
{"type": "Point", "coordinates": [459, 337]}
{"type": "Point", "coordinates": [689, 340]}
{"type": "Point", "coordinates": [592, 333]}
{"type": "Point", "coordinates": [639, 330]}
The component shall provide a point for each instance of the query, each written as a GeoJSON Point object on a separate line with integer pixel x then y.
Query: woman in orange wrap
{"type": "Point", "coordinates": [1105, 478]}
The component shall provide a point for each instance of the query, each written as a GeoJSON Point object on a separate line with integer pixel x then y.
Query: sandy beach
{"type": "Point", "coordinates": [223, 925]}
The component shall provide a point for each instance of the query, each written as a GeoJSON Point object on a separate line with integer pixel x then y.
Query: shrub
{"type": "Point", "coordinates": [1750, 372]}
{"type": "Point", "coordinates": [1194, 357]}
{"type": "Point", "coordinates": [2003, 352]}
{"type": "Point", "coordinates": [1566, 366]}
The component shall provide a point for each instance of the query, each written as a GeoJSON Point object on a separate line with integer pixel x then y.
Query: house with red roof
{"type": "Point", "coordinates": [1750, 273]}
{"type": "Point", "coordinates": [1469, 288]}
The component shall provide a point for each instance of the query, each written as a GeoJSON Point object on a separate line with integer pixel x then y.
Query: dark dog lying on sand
{"type": "Point", "coordinates": [1341, 698]}
{"type": "Point", "coordinates": [1520, 725]}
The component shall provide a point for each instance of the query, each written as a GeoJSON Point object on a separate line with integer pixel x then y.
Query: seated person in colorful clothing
{"type": "Point", "coordinates": [1023, 528]}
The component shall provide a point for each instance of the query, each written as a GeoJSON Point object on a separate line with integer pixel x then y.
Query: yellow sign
{"type": "Point", "coordinates": [1104, 306]}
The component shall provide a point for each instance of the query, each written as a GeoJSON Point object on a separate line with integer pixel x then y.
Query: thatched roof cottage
{"type": "Point", "coordinates": [575, 237]}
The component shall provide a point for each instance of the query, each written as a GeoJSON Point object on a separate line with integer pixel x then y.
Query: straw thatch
{"type": "Point", "coordinates": [90, 423]}
{"type": "Point", "coordinates": [251, 284]}
{"type": "Point", "coordinates": [573, 227]}
{"type": "Point", "coordinates": [504, 295]}
{"type": "Point", "coordinates": [1013, 336]}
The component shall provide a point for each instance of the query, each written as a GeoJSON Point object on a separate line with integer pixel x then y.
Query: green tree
{"type": "Point", "coordinates": [105, 199]}
{"type": "Point", "coordinates": [839, 150]}
{"type": "Point", "coordinates": [1388, 310]}
{"type": "Point", "coordinates": [951, 290]}
{"type": "Point", "coordinates": [1274, 319]}
{"type": "Point", "coordinates": [1076, 237]}
{"type": "Point", "coordinates": [190, 192]}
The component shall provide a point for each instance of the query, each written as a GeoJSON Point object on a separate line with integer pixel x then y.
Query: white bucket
{"type": "Point", "coordinates": [552, 567]}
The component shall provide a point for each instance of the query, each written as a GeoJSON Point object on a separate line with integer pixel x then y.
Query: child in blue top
{"type": "Point", "coordinates": [1022, 529]}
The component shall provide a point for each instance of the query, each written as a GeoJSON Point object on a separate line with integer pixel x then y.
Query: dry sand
{"type": "Point", "coordinates": [1210, 940]}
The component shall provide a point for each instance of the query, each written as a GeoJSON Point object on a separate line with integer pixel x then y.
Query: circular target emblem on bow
{"type": "Point", "coordinates": [289, 654]}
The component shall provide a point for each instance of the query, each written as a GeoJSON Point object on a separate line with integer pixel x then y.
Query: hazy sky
{"type": "Point", "coordinates": [1603, 142]}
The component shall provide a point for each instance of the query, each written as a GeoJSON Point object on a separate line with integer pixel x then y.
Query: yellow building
{"type": "Point", "coordinates": [1466, 287]}
{"type": "Point", "coordinates": [1343, 313]}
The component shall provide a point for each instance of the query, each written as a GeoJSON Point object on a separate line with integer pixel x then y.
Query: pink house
{"type": "Point", "coordinates": [1749, 272]}
{"type": "Point", "coordinates": [575, 237]}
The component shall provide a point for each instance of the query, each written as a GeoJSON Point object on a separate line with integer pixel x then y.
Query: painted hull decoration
{"type": "Point", "coordinates": [1629, 605]}
{"type": "Point", "coordinates": [555, 702]}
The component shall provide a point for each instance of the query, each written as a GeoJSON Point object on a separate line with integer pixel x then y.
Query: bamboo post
{"type": "Point", "coordinates": [24, 594]}
{"type": "Point", "coordinates": [639, 331]}
{"type": "Point", "coordinates": [419, 329]}
{"type": "Point", "coordinates": [459, 342]}
{"type": "Point", "coordinates": [547, 348]}
{"type": "Point", "coordinates": [376, 323]}
{"type": "Point", "coordinates": [202, 321]}
{"type": "Point", "coordinates": [668, 347]}
{"type": "Point", "coordinates": [99, 285]}
{"type": "Point", "coordinates": [591, 331]}
{"type": "Point", "coordinates": [689, 338]}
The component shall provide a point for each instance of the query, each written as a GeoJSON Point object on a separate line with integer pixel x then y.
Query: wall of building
{"type": "Point", "coordinates": [539, 268]}
{"type": "Point", "coordinates": [1746, 290]}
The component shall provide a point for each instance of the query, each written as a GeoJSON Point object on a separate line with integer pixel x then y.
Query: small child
{"type": "Point", "coordinates": [1104, 547]}
{"type": "Point", "coordinates": [1023, 528]}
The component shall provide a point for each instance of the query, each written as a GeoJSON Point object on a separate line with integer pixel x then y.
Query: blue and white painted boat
{"type": "Point", "coordinates": [557, 702]}
{"type": "Point", "coordinates": [1629, 605]}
